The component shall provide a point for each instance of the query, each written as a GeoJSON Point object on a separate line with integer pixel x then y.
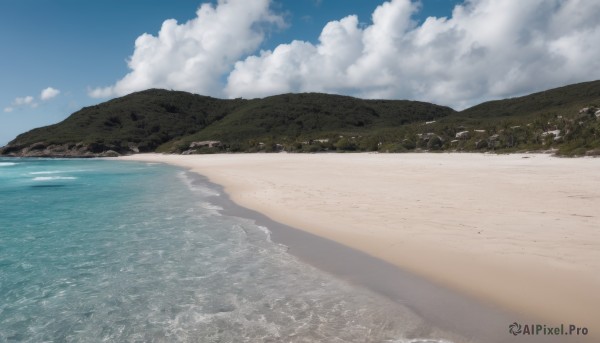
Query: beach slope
{"type": "Point", "coordinates": [518, 231]}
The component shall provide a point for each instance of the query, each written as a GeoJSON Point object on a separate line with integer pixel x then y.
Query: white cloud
{"type": "Point", "coordinates": [29, 101]}
{"type": "Point", "coordinates": [195, 55]}
{"type": "Point", "coordinates": [49, 93]}
{"type": "Point", "coordinates": [26, 100]}
{"type": "Point", "coordinates": [19, 102]}
{"type": "Point", "coordinates": [486, 49]}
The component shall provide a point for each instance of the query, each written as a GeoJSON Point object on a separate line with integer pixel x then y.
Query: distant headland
{"type": "Point", "coordinates": [565, 121]}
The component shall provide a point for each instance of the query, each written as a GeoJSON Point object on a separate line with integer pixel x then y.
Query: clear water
{"type": "Point", "coordinates": [107, 251]}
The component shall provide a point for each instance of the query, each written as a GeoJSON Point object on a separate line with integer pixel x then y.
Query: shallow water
{"type": "Point", "coordinates": [94, 250]}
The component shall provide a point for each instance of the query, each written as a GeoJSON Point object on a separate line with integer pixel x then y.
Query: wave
{"type": "Point", "coordinates": [47, 172]}
{"type": "Point", "coordinates": [204, 190]}
{"type": "Point", "coordinates": [209, 206]}
{"type": "Point", "coordinates": [51, 178]}
{"type": "Point", "coordinates": [266, 231]}
{"type": "Point", "coordinates": [7, 164]}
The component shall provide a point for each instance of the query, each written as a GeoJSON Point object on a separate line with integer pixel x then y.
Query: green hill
{"type": "Point", "coordinates": [563, 120]}
{"type": "Point", "coordinates": [290, 117]}
{"type": "Point", "coordinates": [528, 122]}
{"type": "Point", "coordinates": [556, 101]}
{"type": "Point", "coordinates": [147, 120]}
{"type": "Point", "coordinates": [143, 120]}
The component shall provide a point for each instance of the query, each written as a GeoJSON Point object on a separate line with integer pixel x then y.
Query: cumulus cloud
{"type": "Point", "coordinates": [19, 102]}
{"type": "Point", "coordinates": [195, 55]}
{"type": "Point", "coordinates": [29, 101]}
{"type": "Point", "coordinates": [486, 49]}
{"type": "Point", "coordinates": [49, 93]}
{"type": "Point", "coordinates": [26, 100]}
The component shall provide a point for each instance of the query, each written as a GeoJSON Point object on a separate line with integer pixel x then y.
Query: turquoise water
{"type": "Point", "coordinates": [107, 251]}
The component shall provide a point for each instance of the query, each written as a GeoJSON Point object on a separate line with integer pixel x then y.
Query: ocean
{"type": "Point", "coordinates": [113, 251]}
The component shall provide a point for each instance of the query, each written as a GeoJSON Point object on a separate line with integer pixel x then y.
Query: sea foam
{"type": "Point", "coordinates": [49, 172]}
{"type": "Point", "coordinates": [51, 178]}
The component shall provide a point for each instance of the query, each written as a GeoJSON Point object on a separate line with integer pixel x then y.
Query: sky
{"type": "Point", "coordinates": [58, 56]}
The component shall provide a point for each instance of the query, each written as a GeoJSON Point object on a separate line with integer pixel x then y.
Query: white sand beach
{"type": "Point", "coordinates": [519, 231]}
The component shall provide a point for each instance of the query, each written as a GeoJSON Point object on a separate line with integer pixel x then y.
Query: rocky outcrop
{"type": "Point", "coordinates": [205, 144]}
{"type": "Point", "coordinates": [426, 136]}
{"type": "Point", "coordinates": [41, 149]}
{"type": "Point", "coordinates": [463, 135]}
{"type": "Point", "coordinates": [481, 144]}
{"type": "Point", "coordinates": [591, 111]}
{"type": "Point", "coordinates": [555, 133]}
{"type": "Point", "coordinates": [195, 147]}
{"type": "Point", "coordinates": [493, 141]}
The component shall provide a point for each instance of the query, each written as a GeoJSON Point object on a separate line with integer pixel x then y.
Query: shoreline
{"type": "Point", "coordinates": [445, 309]}
{"type": "Point", "coordinates": [552, 291]}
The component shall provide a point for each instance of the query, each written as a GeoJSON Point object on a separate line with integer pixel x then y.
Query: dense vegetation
{"type": "Point", "coordinates": [152, 119]}
{"type": "Point", "coordinates": [565, 120]}
{"type": "Point", "coordinates": [285, 121]}
{"type": "Point", "coordinates": [145, 120]}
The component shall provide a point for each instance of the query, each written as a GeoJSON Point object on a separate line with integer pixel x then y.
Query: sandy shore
{"type": "Point", "coordinates": [519, 231]}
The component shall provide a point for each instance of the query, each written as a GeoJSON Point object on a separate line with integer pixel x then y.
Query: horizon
{"type": "Point", "coordinates": [64, 58]}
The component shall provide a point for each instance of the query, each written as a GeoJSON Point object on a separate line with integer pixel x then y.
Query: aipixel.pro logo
{"type": "Point", "coordinates": [545, 330]}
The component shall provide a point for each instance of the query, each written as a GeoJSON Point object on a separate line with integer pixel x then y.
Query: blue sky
{"type": "Point", "coordinates": [80, 49]}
